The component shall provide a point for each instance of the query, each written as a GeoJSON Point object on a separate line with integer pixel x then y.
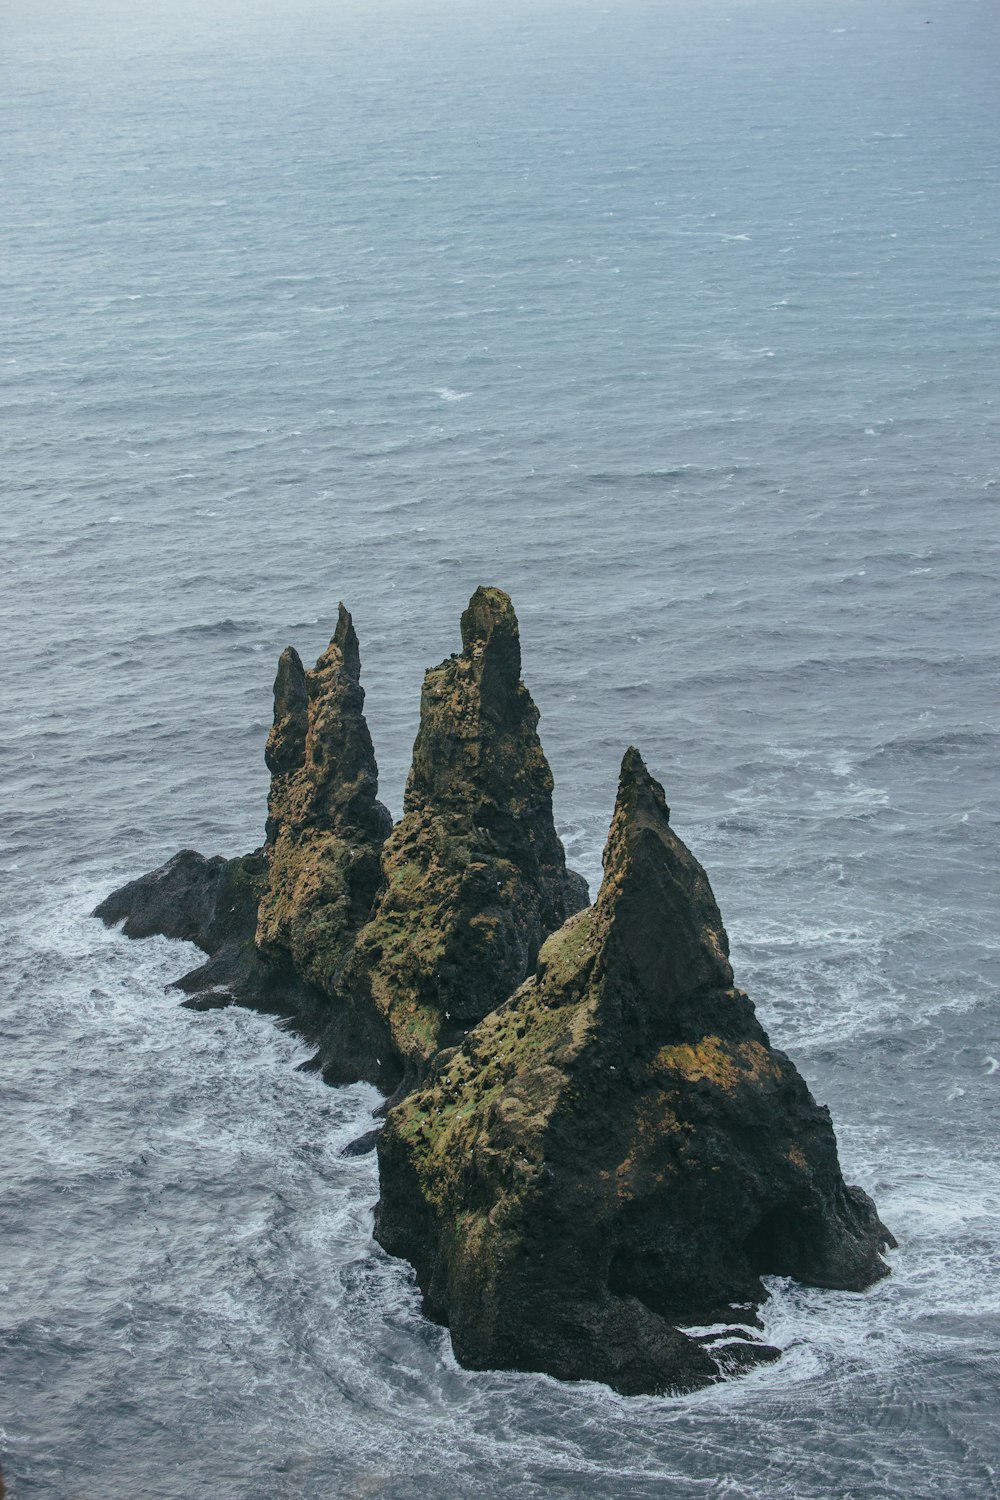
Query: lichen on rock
{"type": "Point", "coordinates": [277, 923]}
{"type": "Point", "coordinates": [474, 876]}
{"type": "Point", "coordinates": [618, 1153]}
{"type": "Point", "coordinates": [325, 825]}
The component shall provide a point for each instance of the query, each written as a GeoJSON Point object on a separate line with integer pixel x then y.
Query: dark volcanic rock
{"type": "Point", "coordinates": [592, 1159]}
{"type": "Point", "coordinates": [177, 900]}
{"type": "Point", "coordinates": [235, 973]}
{"type": "Point", "coordinates": [474, 876]}
{"type": "Point", "coordinates": [277, 923]}
{"type": "Point", "coordinates": [212, 903]}
{"type": "Point", "coordinates": [618, 1153]}
{"type": "Point", "coordinates": [325, 826]}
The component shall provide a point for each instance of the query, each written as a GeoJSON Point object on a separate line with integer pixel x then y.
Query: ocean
{"type": "Point", "coordinates": [677, 319]}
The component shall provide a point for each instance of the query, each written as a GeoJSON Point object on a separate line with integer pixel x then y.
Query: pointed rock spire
{"type": "Point", "coordinates": [325, 825]}
{"type": "Point", "coordinates": [286, 744]}
{"type": "Point", "coordinates": [653, 883]}
{"type": "Point", "coordinates": [618, 1152]}
{"type": "Point", "coordinates": [278, 923]}
{"type": "Point", "coordinates": [345, 642]}
{"type": "Point", "coordinates": [477, 748]}
{"type": "Point", "coordinates": [492, 641]}
{"type": "Point", "coordinates": [475, 874]}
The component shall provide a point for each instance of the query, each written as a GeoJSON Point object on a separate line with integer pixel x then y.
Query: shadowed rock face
{"type": "Point", "coordinates": [325, 827]}
{"type": "Point", "coordinates": [176, 901]}
{"type": "Point", "coordinates": [618, 1152]}
{"type": "Point", "coordinates": [475, 875]}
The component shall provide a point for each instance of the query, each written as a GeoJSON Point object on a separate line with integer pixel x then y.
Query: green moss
{"type": "Point", "coordinates": [416, 1028]}
{"type": "Point", "coordinates": [306, 909]}
{"type": "Point", "coordinates": [247, 874]}
{"type": "Point", "coordinates": [568, 951]}
{"type": "Point", "coordinates": [727, 1065]}
{"type": "Point", "coordinates": [493, 1096]}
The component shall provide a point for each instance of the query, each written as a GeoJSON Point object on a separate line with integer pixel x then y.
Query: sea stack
{"type": "Point", "coordinates": [325, 825]}
{"type": "Point", "coordinates": [618, 1154]}
{"type": "Point", "coordinates": [475, 875]}
{"type": "Point", "coordinates": [591, 1149]}
{"type": "Point", "coordinates": [277, 923]}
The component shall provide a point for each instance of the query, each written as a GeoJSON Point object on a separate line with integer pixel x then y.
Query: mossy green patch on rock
{"type": "Point", "coordinates": [727, 1065]}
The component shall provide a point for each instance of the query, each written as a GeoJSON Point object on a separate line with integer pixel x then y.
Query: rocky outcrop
{"type": "Point", "coordinates": [381, 951]}
{"type": "Point", "coordinates": [212, 903]}
{"type": "Point", "coordinates": [177, 900]}
{"type": "Point", "coordinates": [618, 1153]}
{"type": "Point", "coordinates": [475, 875]}
{"type": "Point", "coordinates": [592, 1148]}
{"type": "Point", "coordinates": [325, 826]}
{"type": "Point", "coordinates": [278, 923]}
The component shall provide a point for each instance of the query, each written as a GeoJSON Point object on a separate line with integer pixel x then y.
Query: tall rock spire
{"type": "Point", "coordinates": [286, 744]}
{"type": "Point", "coordinates": [325, 826]}
{"type": "Point", "coordinates": [619, 1153]}
{"type": "Point", "coordinates": [475, 874]}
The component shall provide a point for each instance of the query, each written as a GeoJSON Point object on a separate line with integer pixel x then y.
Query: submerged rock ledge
{"type": "Point", "coordinates": [590, 1145]}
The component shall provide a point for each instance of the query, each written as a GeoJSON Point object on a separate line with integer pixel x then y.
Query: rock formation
{"type": "Point", "coordinates": [325, 827]}
{"type": "Point", "coordinates": [475, 875]}
{"type": "Point", "coordinates": [212, 903]}
{"type": "Point", "coordinates": [618, 1153]}
{"type": "Point", "coordinates": [278, 923]}
{"type": "Point", "coordinates": [593, 1148]}
{"type": "Point", "coordinates": [381, 951]}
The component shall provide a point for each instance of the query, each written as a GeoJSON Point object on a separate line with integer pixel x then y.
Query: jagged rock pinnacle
{"type": "Point", "coordinates": [345, 640]}
{"type": "Point", "coordinates": [618, 1152]}
{"type": "Point", "coordinates": [286, 744]}
{"type": "Point", "coordinates": [491, 639]}
{"type": "Point", "coordinates": [325, 825]}
{"type": "Point", "coordinates": [647, 870]}
{"type": "Point", "coordinates": [477, 749]}
{"type": "Point", "coordinates": [277, 923]}
{"type": "Point", "coordinates": [475, 874]}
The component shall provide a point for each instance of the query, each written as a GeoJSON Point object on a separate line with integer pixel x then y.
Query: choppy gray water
{"type": "Point", "coordinates": [680, 321]}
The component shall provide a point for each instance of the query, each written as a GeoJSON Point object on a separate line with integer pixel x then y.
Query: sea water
{"type": "Point", "coordinates": [679, 320]}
